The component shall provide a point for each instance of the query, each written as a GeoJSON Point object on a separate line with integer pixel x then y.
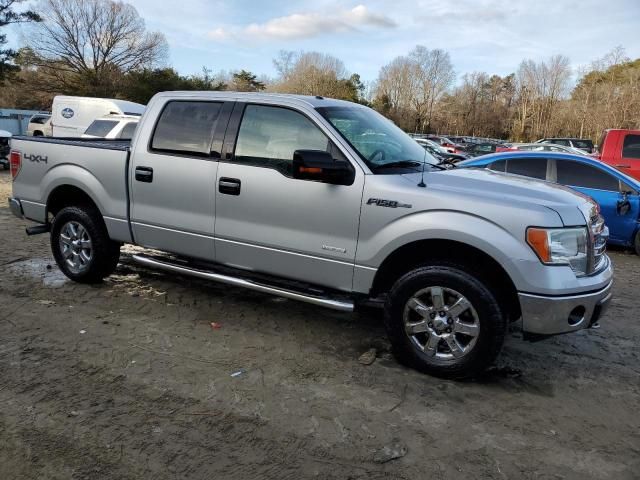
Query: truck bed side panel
{"type": "Point", "coordinates": [99, 169]}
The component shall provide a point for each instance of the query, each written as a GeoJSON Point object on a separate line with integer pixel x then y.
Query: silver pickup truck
{"type": "Point", "coordinates": [327, 202]}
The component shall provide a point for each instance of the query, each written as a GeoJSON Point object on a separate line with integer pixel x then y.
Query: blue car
{"type": "Point", "coordinates": [617, 194]}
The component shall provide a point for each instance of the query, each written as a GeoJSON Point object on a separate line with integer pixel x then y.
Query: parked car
{"type": "Point", "coordinates": [621, 149]}
{"type": "Point", "coordinates": [113, 127]}
{"type": "Point", "coordinates": [546, 147]}
{"type": "Point", "coordinates": [446, 143]}
{"type": "Point", "coordinates": [439, 152]}
{"type": "Point", "coordinates": [4, 149]}
{"type": "Point", "coordinates": [323, 201]}
{"type": "Point", "coordinates": [40, 125]}
{"type": "Point", "coordinates": [73, 115]}
{"type": "Point", "coordinates": [581, 143]}
{"type": "Point", "coordinates": [485, 148]}
{"type": "Point", "coordinates": [617, 194]}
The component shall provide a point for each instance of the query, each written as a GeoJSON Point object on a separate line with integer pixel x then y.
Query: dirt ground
{"type": "Point", "coordinates": [128, 379]}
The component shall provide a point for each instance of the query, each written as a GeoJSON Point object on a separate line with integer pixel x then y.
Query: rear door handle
{"type": "Point", "coordinates": [623, 166]}
{"type": "Point", "coordinates": [229, 186]}
{"type": "Point", "coordinates": [144, 174]}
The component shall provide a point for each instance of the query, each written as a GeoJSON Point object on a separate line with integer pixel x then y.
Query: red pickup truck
{"type": "Point", "coordinates": [621, 149]}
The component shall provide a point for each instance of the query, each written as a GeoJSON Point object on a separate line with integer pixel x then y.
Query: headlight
{"type": "Point", "coordinates": [561, 246]}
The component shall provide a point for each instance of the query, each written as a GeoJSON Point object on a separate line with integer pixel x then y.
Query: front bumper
{"type": "Point", "coordinates": [545, 315]}
{"type": "Point", "coordinates": [16, 207]}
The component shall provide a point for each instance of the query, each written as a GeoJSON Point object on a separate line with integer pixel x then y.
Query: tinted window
{"type": "Point", "coordinates": [485, 148]}
{"type": "Point", "coordinates": [559, 141]}
{"type": "Point", "coordinates": [186, 127]}
{"type": "Point", "coordinates": [128, 130]}
{"type": "Point", "coordinates": [498, 166]}
{"type": "Point", "coordinates": [583, 144]}
{"type": "Point", "coordinates": [580, 175]}
{"type": "Point", "coordinates": [529, 167]}
{"type": "Point", "coordinates": [100, 128]}
{"type": "Point", "coordinates": [39, 120]}
{"type": "Point", "coordinates": [631, 147]}
{"type": "Point", "coordinates": [268, 137]}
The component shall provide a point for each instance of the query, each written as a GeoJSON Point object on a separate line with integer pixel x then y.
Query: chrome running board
{"type": "Point", "coordinates": [342, 305]}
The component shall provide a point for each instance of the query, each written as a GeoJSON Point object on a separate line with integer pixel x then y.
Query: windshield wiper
{"type": "Point", "coordinates": [398, 164]}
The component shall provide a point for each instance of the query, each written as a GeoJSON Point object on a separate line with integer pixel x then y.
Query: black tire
{"type": "Point", "coordinates": [636, 243]}
{"type": "Point", "coordinates": [485, 312]}
{"type": "Point", "coordinates": [104, 252]}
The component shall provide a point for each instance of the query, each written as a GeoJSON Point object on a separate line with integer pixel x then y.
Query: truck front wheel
{"type": "Point", "coordinates": [81, 245]}
{"type": "Point", "coordinates": [636, 243]}
{"type": "Point", "coordinates": [442, 320]}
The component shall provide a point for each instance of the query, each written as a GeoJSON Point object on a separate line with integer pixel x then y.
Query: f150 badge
{"type": "Point", "coordinates": [380, 202]}
{"type": "Point", "coordinates": [36, 158]}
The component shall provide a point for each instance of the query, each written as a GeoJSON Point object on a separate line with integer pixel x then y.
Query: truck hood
{"type": "Point", "coordinates": [482, 184]}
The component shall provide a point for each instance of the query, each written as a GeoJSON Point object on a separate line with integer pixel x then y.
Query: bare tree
{"type": "Point", "coordinates": [314, 73]}
{"type": "Point", "coordinates": [92, 42]}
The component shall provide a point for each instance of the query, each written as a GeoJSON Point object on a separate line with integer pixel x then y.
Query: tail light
{"type": "Point", "coordinates": [15, 161]}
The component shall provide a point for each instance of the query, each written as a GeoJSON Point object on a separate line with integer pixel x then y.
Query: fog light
{"type": "Point", "coordinates": [576, 316]}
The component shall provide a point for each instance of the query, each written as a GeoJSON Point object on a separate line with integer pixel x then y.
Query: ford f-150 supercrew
{"type": "Point", "coordinates": [327, 202]}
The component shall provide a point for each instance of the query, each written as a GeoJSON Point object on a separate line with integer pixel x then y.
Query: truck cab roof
{"type": "Point", "coordinates": [306, 100]}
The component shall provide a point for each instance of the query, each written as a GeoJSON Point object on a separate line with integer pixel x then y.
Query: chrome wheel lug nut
{"type": "Point", "coordinates": [432, 315]}
{"type": "Point", "coordinates": [449, 321]}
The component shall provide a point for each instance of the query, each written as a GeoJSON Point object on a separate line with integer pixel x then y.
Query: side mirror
{"type": "Point", "coordinates": [320, 166]}
{"type": "Point", "coordinates": [623, 206]}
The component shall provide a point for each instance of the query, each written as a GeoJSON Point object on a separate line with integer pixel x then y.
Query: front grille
{"type": "Point", "coordinates": [598, 241]}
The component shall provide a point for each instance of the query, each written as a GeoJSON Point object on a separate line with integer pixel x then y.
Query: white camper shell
{"type": "Point", "coordinates": [72, 115]}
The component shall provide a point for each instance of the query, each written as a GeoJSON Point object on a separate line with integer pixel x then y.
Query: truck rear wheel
{"type": "Point", "coordinates": [81, 245]}
{"type": "Point", "coordinates": [444, 321]}
{"type": "Point", "coordinates": [636, 243]}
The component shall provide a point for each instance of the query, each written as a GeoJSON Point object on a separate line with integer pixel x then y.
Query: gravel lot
{"type": "Point", "coordinates": [128, 379]}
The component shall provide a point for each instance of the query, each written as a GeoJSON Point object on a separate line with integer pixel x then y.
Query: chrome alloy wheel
{"type": "Point", "coordinates": [441, 322]}
{"type": "Point", "coordinates": [75, 246]}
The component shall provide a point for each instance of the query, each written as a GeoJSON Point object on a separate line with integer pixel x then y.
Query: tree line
{"type": "Point", "coordinates": [103, 48]}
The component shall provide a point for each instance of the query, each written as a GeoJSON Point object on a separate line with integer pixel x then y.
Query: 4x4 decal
{"type": "Point", "coordinates": [36, 158]}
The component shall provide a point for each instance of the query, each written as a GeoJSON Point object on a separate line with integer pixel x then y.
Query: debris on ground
{"type": "Point", "coordinates": [45, 302]}
{"type": "Point", "coordinates": [238, 373]}
{"type": "Point", "coordinates": [216, 325]}
{"type": "Point", "coordinates": [390, 452]}
{"type": "Point", "coordinates": [368, 357]}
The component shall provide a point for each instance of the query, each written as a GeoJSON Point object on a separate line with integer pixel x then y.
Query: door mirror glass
{"type": "Point", "coordinates": [319, 165]}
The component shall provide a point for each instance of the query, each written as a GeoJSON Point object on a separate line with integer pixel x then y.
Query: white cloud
{"type": "Point", "coordinates": [307, 25]}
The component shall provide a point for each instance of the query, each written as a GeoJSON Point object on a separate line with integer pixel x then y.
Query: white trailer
{"type": "Point", "coordinates": [72, 115]}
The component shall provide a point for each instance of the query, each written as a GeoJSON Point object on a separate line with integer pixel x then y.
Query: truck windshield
{"type": "Point", "coordinates": [379, 142]}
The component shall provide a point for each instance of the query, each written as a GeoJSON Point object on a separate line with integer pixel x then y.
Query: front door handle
{"type": "Point", "coordinates": [229, 186]}
{"type": "Point", "coordinates": [623, 166]}
{"type": "Point", "coordinates": [144, 174]}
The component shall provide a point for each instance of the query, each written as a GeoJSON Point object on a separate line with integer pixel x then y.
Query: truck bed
{"type": "Point", "coordinates": [97, 167]}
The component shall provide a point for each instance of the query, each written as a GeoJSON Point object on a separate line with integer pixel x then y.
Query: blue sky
{"type": "Point", "coordinates": [480, 35]}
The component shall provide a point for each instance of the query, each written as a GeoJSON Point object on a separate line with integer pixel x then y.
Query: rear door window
{"type": "Point", "coordinates": [186, 127]}
{"type": "Point", "coordinates": [529, 167]}
{"type": "Point", "coordinates": [576, 174]}
{"type": "Point", "coordinates": [631, 146]}
{"type": "Point", "coordinates": [101, 128]}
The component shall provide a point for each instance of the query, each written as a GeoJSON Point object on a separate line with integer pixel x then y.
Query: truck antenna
{"type": "Point", "coordinates": [424, 160]}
